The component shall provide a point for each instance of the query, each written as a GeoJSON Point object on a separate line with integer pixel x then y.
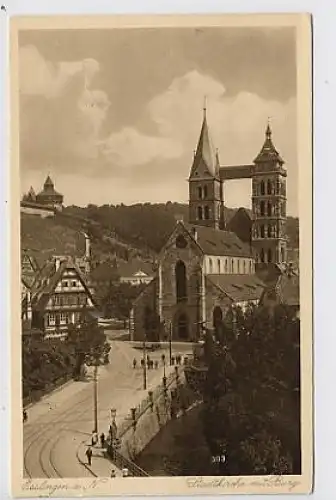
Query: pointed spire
{"type": "Point", "coordinates": [268, 151]}
{"type": "Point", "coordinates": [205, 151]}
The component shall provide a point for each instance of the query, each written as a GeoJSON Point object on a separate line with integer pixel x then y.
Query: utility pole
{"type": "Point", "coordinates": [170, 342]}
{"type": "Point", "coordinates": [95, 396]}
{"type": "Point", "coordinates": [144, 364]}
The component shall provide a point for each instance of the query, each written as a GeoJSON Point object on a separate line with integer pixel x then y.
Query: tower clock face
{"type": "Point", "coordinates": [181, 242]}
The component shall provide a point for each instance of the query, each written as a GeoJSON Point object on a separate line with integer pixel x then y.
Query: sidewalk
{"type": "Point", "coordinates": [101, 465]}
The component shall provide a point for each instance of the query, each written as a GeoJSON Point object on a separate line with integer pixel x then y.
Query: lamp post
{"type": "Point", "coordinates": [170, 342]}
{"type": "Point", "coordinates": [144, 364]}
{"type": "Point", "coordinates": [95, 396]}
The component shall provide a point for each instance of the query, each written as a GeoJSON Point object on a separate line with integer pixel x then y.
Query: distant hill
{"type": "Point", "coordinates": [128, 231]}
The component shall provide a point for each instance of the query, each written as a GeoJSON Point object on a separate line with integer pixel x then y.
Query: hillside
{"type": "Point", "coordinates": [128, 231]}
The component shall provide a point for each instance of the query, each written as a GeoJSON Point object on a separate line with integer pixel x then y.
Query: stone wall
{"type": "Point", "coordinates": [153, 414]}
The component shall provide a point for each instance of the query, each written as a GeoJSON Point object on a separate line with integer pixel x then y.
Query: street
{"type": "Point", "coordinates": [60, 422]}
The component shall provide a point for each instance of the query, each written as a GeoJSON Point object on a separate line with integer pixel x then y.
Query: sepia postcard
{"type": "Point", "coordinates": [161, 255]}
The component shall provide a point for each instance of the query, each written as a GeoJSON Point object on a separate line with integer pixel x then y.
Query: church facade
{"type": "Point", "coordinates": [207, 265]}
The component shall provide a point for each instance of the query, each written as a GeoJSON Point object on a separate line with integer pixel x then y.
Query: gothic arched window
{"type": "Point", "coordinates": [200, 193]}
{"type": "Point", "coordinates": [282, 254]}
{"type": "Point", "coordinates": [219, 265]}
{"type": "Point", "coordinates": [205, 191]}
{"type": "Point", "coordinates": [262, 208]}
{"type": "Point", "coordinates": [262, 188]}
{"type": "Point", "coordinates": [269, 187]}
{"type": "Point", "coordinates": [262, 231]}
{"type": "Point", "coordinates": [206, 212]}
{"type": "Point", "coordinates": [269, 209]}
{"type": "Point", "coordinates": [238, 266]}
{"type": "Point", "coordinates": [244, 267]}
{"type": "Point", "coordinates": [269, 231]}
{"type": "Point", "coordinates": [210, 266]}
{"type": "Point", "coordinates": [199, 213]}
{"type": "Point", "coordinates": [226, 265]}
{"type": "Point", "coordinates": [181, 281]}
{"type": "Point", "coordinates": [269, 255]}
{"type": "Point", "coordinates": [232, 266]}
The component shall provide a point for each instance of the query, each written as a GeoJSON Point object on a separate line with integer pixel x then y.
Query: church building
{"type": "Point", "coordinates": [207, 265]}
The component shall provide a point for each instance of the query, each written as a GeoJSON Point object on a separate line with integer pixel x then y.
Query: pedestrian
{"type": "Point", "coordinates": [156, 364]}
{"type": "Point", "coordinates": [148, 363]}
{"type": "Point", "coordinates": [25, 416]}
{"type": "Point", "coordinates": [102, 440]}
{"type": "Point", "coordinates": [134, 363]}
{"type": "Point", "coordinates": [142, 363]}
{"type": "Point", "coordinates": [151, 364]}
{"type": "Point", "coordinates": [113, 473]}
{"type": "Point", "coordinates": [89, 455]}
{"type": "Point", "coordinates": [94, 438]}
{"type": "Point", "coordinates": [173, 360]}
{"type": "Point", "coordinates": [163, 357]}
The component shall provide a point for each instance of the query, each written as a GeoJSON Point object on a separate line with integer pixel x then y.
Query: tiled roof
{"type": "Point", "coordinates": [239, 287]}
{"type": "Point", "coordinates": [217, 242]}
{"type": "Point", "coordinates": [241, 225]}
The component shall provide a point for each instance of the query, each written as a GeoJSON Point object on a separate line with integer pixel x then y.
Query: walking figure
{"type": "Point", "coordinates": [173, 360]}
{"type": "Point", "coordinates": [142, 363]}
{"type": "Point", "coordinates": [25, 416]}
{"type": "Point", "coordinates": [89, 455]}
{"type": "Point", "coordinates": [134, 363]}
{"type": "Point", "coordinates": [156, 364]}
{"type": "Point", "coordinates": [102, 440]}
{"type": "Point", "coordinates": [151, 364]}
{"type": "Point", "coordinates": [94, 438]}
{"type": "Point", "coordinates": [113, 473]}
{"type": "Point", "coordinates": [148, 363]}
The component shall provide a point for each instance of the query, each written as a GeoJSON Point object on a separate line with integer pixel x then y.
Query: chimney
{"type": "Point", "coordinates": [194, 233]}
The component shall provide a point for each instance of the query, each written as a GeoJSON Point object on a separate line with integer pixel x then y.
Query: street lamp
{"type": "Point", "coordinates": [144, 364]}
{"type": "Point", "coordinates": [95, 395]}
{"type": "Point", "coordinates": [170, 342]}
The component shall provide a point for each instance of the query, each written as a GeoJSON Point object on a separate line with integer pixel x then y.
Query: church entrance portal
{"type": "Point", "coordinates": [182, 327]}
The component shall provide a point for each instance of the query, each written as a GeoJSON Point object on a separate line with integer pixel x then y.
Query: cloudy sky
{"type": "Point", "coordinates": [114, 115]}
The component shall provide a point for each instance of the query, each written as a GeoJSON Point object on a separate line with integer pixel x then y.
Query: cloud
{"type": "Point", "coordinates": [61, 114]}
{"type": "Point", "coordinates": [237, 125]}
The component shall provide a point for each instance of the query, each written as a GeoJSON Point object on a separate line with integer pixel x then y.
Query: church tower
{"type": "Point", "coordinates": [269, 204]}
{"type": "Point", "coordinates": [206, 205]}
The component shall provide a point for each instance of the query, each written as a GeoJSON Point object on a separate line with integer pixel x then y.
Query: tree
{"type": "Point", "coordinates": [89, 343]}
{"type": "Point", "coordinates": [252, 392]}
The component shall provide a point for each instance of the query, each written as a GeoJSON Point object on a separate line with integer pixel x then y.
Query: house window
{"type": "Point", "coordinates": [74, 283]}
{"type": "Point", "coordinates": [64, 318]}
{"type": "Point", "coordinates": [199, 213]}
{"type": "Point", "coordinates": [51, 319]}
{"type": "Point", "coordinates": [206, 212]}
{"type": "Point", "coordinates": [219, 266]}
{"type": "Point", "coordinates": [65, 284]}
{"type": "Point", "coordinates": [200, 193]}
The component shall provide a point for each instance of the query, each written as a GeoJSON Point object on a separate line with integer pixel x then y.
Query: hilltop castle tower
{"type": "Point", "coordinates": [206, 205]}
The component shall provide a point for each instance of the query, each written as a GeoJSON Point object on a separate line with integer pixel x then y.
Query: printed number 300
{"type": "Point", "coordinates": [218, 459]}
